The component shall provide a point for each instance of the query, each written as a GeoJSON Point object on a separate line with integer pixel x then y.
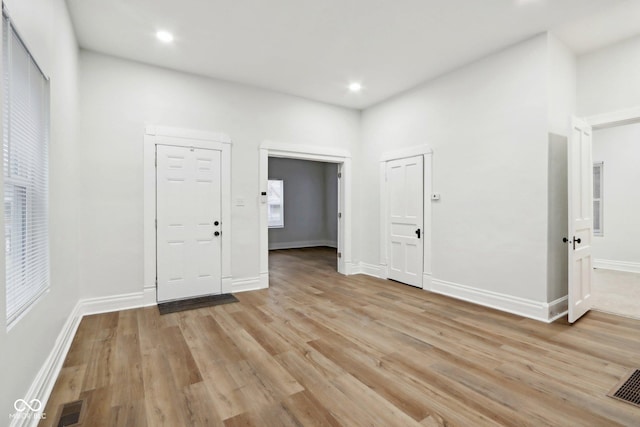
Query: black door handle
{"type": "Point", "coordinates": [576, 241]}
{"type": "Point", "coordinates": [418, 232]}
{"type": "Point", "coordinates": [565, 240]}
{"type": "Point", "coordinates": [217, 233]}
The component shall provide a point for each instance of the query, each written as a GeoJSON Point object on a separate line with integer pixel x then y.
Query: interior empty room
{"type": "Point", "coordinates": [341, 213]}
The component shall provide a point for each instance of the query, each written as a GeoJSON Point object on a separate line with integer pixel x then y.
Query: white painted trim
{"type": "Point", "coordinates": [111, 303]}
{"type": "Point", "coordinates": [557, 309]}
{"type": "Point", "coordinates": [160, 135]}
{"type": "Point", "coordinates": [427, 281]}
{"type": "Point", "coordinates": [373, 270]}
{"type": "Point", "coordinates": [302, 244]}
{"type": "Point", "coordinates": [313, 153]}
{"type": "Point", "coordinates": [42, 385]}
{"type": "Point", "coordinates": [248, 284]}
{"type": "Point", "coordinates": [293, 151]}
{"type": "Point", "coordinates": [427, 154]}
{"type": "Point", "coordinates": [403, 153]}
{"type": "Point", "coordinates": [606, 264]}
{"type": "Point", "coordinates": [173, 132]}
{"type": "Point", "coordinates": [520, 306]}
{"type": "Point", "coordinates": [615, 118]}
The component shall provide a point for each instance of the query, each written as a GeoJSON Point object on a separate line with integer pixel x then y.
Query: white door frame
{"type": "Point", "coordinates": [607, 120]}
{"type": "Point", "coordinates": [615, 118]}
{"type": "Point", "coordinates": [318, 154]}
{"type": "Point", "coordinates": [427, 154]}
{"type": "Point", "coordinates": [160, 135]}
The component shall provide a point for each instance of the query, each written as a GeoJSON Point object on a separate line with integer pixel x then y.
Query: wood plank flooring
{"type": "Point", "coordinates": [321, 349]}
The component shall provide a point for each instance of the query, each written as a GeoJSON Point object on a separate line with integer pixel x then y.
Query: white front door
{"type": "Point", "coordinates": [580, 177]}
{"type": "Point", "coordinates": [188, 222]}
{"type": "Point", "coordinates": [405, 215]}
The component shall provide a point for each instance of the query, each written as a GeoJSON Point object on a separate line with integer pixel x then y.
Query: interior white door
{"type": "Point", "coordinates": [405, 192]}
{"type": "Point", "coordinates": [188, 227]}
{"type": "Point", "coordinates": [580, 182]}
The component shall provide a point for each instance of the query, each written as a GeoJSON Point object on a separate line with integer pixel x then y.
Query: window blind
{"type": "Point", "coordinates": [25, 160]}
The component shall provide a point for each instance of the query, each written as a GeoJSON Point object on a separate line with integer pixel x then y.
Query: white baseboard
{"type": "Point", "coordinates": [249, 284]}
{"type": "Point", "coordinates": [302, 244]}
{"type": "Point", "coordinates": [371, 270]}
{"type": "Point", "coordinates": [120, 302]}
{"type": "Point", "coordinates": [522, 307]}
{"type": "Point", "coordinates": [427, 281]}
{"type": "Point", "coordinates": [42, 385]}
{"type": "Point", "coordinates": [558, 308]}
{"type": "Point", "coordinates": [606, 264]}
{"type": "Point", "coordinates": [264, 280]}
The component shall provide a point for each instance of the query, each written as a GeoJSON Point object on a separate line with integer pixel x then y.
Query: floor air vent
{"type": "Point", "coordinates": [70, 414]}
{"type": "Point", "coordinates": [628, 390]}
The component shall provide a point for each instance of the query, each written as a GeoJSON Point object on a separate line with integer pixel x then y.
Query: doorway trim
{"type": "Point", "coordinates": [161, 135]}
{"type": "Point", "coordinates": [318, 154]}
{"type": "Point", "coordinates": [614, 118]}
{"type": "Point", "coordinates": [427, 153]}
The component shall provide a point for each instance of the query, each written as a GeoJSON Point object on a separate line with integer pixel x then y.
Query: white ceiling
{"type": "Point", "coordinates": [315, 48]}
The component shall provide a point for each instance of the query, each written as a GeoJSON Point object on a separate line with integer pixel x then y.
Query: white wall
{"type": "Point", "coordinates": [608, 79]}
{"type": "Point", "coordinates": [619, 149]}
{"type": "Point", "coordinates": [118, 97]}
{"type": "Point", "coordinates": [307, 199]}
{"type": "Point", "coordinates": [45, 26]}
{"type": "Point", "coordinates": [562, 105]}
{"type": "Point", "coordinates": [488, 126]}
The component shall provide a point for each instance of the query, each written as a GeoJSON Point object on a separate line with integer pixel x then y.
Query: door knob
{"type": "Point", "coordinates": [565, 240]}
{"type": "Point", "coordinates": [576, 241]}
{"type": "Point", "coordinates": [418, 233]}
{"type": "Point", "coordinates": [217, 233]}
{"type": "Point", "coordinates": [216, 223]}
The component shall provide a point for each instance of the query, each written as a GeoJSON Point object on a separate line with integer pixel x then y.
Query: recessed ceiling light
{"type": "Point", "coordinates": [355, 87]}
{"type": "Point", "coordinates": [164, 36]}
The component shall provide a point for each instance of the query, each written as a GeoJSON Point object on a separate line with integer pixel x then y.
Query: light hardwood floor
{"type": "Point", "coordinates": [318, 348]}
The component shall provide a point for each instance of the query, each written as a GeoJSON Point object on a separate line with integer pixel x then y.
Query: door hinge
{"type": "Point", "coordinates": [339, 215]}
{"type": "Point", "coordinates": [339, 254]}
{"type": "Point", "coordinates": [155, 160]}
{"type": "Point", "coordinates": [339, 174]}
{"type": "Point", "coordinates": [156, 223]}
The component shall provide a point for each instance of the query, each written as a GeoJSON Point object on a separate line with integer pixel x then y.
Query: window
{"type": "Point", "coordinates": [25, 119]}
{"type": "Point", "coordinates": [275, 203]}
{"type": "Point", "coordinates": [598, 185]}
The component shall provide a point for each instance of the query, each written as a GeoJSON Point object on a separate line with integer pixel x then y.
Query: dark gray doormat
{"type": "Point", "coordinates": [193, 303]}
{"type": "Point", "coordinates": [628, 389]}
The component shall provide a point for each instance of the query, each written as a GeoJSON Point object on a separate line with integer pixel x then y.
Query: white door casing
{"type": "Point", "coordinates": [162, 135]}
{"type": "Point", "coordinates": [580, 190]}
{"type": "Point", "coordinates": [405, 215]}
{"type": "Point", "coordinates": [188, 228]}
{"type": "Point", "coordinates": [312, 153]}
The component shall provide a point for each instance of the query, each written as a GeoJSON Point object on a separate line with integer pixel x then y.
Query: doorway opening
{"type": "Point", "coordinates": [302, 207]}
{"type": "Point", "coordinates": [616, 207]}
{"type": "Point", "coordinates": [307, 185]}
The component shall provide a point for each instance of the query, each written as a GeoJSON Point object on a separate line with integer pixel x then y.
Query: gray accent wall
{"type": "Point", "coordinates": [310, 203]}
